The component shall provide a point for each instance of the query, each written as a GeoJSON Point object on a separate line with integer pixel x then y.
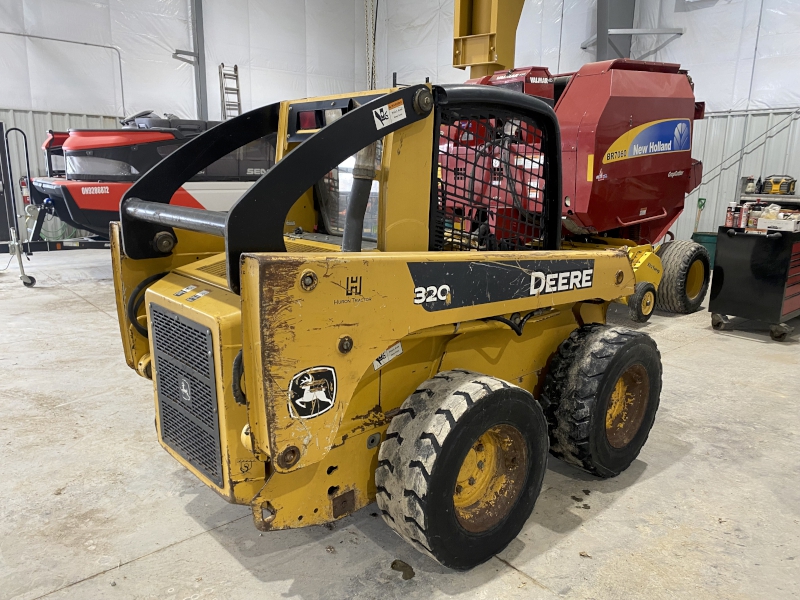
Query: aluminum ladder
{"type": "Point", "coordinates": [229, 91]}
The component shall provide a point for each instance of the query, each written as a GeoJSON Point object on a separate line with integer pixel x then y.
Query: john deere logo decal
{"type": "Point", "coordinates": [312, 392]}
{"type": "Point", "coordinates": [186, 391]}
{"type": "Point", "coordinates": [447, 285]}
{"type": "Point", "coordinates": [656, 137]}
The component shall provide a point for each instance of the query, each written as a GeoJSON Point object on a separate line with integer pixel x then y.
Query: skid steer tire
{"type": "Point", "coordinates": [684, 282]}
{"type": "Point", "coordinates": [601, 396]}
{"type": "Point", "coordinates": [461, 437]}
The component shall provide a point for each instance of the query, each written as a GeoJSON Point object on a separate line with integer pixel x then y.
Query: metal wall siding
{"type": "Point", "coordinates": [733, 145]}
{"type": "Point", "coordinates": [35, 124]}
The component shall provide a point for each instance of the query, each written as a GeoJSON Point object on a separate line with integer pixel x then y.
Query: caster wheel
{"type": "Point", "coordinates": [28, 281]}
{"type": "Point", "coordinates": [720, 322]}
{"type": "Point", "coordinates": [780, 332]}
{"type": "Point", "coordinates": [642, 302]}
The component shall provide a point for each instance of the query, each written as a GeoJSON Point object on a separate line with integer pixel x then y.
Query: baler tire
{"type": "Point", "coordinates": [642, 302]}
{"type": "Point", "coordinates": [678, 258]}
{"type": "Point", "coordinates": [579, 397]}
{"type": "Point", "coordinates": [431, 440]}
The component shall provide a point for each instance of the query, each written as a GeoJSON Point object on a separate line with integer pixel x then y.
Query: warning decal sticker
{"type": "Point", "coordinates": [391, 353]}
{"type": "Point", "coordinates": [389, 113]}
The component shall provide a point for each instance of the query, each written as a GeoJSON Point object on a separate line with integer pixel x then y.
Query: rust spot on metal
{"type": "Point", "coordinates": [490, 479]}
{"type": "Point", "coordinates": [373, 419]}
{"type": "Point", "coordinates": [627, 406]}
{"type": "Point", "coordinates": [371, 414]}
{"type": "Point", "coordinates": [343, 504]}
{"type": "Point", "coordinates": [276, 279]}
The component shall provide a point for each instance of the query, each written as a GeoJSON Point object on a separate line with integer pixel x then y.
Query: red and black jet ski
{"type": "Point", "coordinates": [88, 170]}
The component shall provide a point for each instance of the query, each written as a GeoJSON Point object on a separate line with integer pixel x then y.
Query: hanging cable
{"type": "Point", "coordinates": [370, 31]}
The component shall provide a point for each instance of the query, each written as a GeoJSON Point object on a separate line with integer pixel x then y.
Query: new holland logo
{"type": "Point", "coordinates": [655, 137]}
{"type": "Point", "coordinates": [312, 392]}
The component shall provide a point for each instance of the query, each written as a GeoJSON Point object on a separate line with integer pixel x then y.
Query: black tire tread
{"type": "Point", "coordinates": [676, 258]}
{"type": "Point", "coordinates": [571, 389]}
{"type": "Point", "coordinates": [635, 302]}
{"type": "Point", "coordinates": [406, 462]}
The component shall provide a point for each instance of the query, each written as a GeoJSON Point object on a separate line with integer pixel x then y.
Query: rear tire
{"type": "Point", "coordinates": [601, 396]}
{"type": "Point", "coordinates": [684, 282]}
{"type": "Point", "coordinates": [461, 467]}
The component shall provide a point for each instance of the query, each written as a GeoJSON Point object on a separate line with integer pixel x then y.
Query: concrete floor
{"type": "Point", "coordinates": [92, 507]}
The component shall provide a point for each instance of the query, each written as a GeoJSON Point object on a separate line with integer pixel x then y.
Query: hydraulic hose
{"type": "Point", "coordinates": [134, 304]}
{"type": "Point", "coordinates": [236, 384]}
{"type": "Point", "coordinates": [363, 174]}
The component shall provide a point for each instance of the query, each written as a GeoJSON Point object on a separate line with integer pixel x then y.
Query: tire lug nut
{"type": "Point", "coordinates": [479, 448]}
{"type": "Point", "coordinates": [458, 489]}
{"type": "Point", "coordinates": [472, 481]}
{"type": "Point", "coordinates": [480, 465]}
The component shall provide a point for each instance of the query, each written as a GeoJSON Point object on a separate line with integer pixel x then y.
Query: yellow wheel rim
{"type": "Point", "coordinates": [490, 478]}
{"type": "Point", "coordinates": [695, 279]}
{"type": "Point", "coordinates": [627, 406]}
{"type": "Point", "coordinates": [648, 302]}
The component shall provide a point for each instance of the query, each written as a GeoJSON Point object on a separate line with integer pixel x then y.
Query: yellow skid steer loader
{"type": "Point", "coordinates": [376, 319]}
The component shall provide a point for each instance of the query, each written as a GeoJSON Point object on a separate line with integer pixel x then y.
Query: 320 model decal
{"type": "Point", "coordinates": [441, 286]}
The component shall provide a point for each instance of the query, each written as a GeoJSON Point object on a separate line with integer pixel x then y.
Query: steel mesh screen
{"type": "Point", "coordinates": [186, 390]}
{"type": "Point", "coordinates": [490, 181]}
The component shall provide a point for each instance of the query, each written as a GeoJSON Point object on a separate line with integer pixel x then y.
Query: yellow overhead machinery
{"type": "Point", "coordinates": [386, 315]}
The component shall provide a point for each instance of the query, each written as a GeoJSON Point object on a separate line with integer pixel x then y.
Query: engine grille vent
{"type": "Point", "coordinates": [187, 395]}
{"type": "Point", "coordinates": [181, 340]}
{"type": "Point", "coordinates": [217, 269]}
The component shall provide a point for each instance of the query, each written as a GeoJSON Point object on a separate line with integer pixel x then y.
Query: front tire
{"type": "Point", "coordinates": [642, 302]}
{"type": "Point", "coordinates": [462, 466]}
{"type": "Point", "coordinates": [601, 396]}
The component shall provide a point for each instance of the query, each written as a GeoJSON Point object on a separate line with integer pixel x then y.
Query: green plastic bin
{"type": "Point", "coordinates": [709, 240]}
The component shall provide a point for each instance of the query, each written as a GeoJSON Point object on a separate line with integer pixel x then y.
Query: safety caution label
{"type": "Point", "coordinates": [389, 113]}
{"type": "Point", "coordinates": [390, 354]}
{"type": "Point", "coordinates": [185, 290]}
{"type": "Point", "coordinates": [198, 295]}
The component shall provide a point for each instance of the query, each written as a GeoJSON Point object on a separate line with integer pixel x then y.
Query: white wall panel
{"type": "Point", "coordinates": [418, 37]}
{"type": "Point", "coordinates": [742, 54]}
{"type": "Point", "coordinates": [68, 77]}
{"type": "Point", "coordinates": [284, 48]}
{"type": "Point", "coordinates": [16, 89]}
